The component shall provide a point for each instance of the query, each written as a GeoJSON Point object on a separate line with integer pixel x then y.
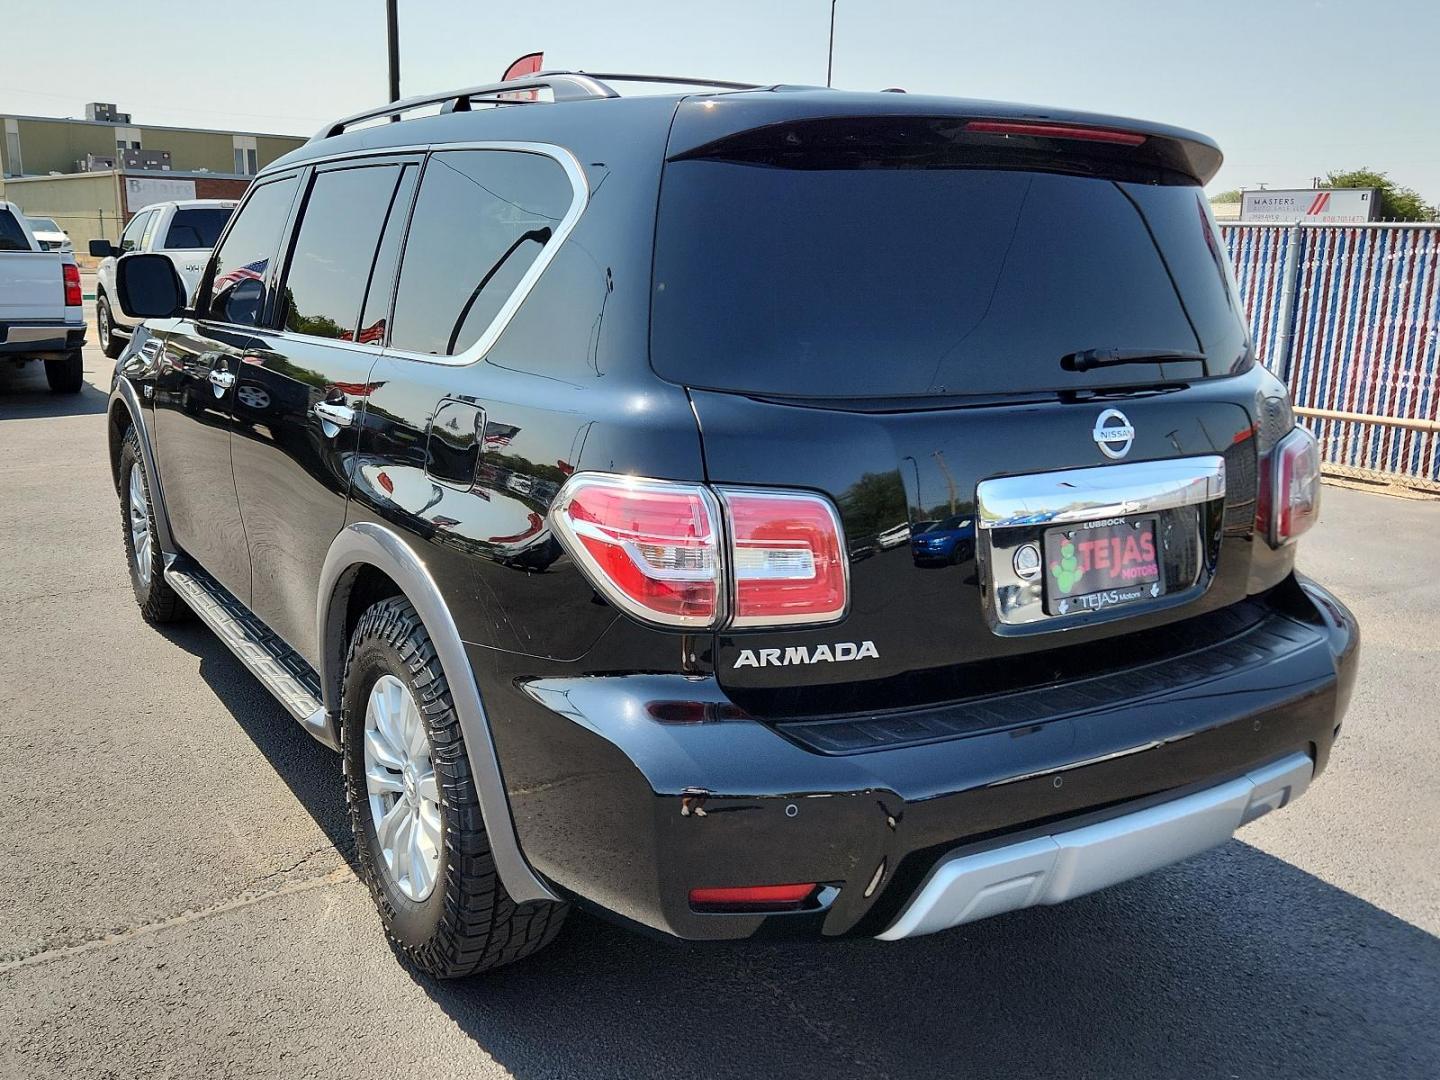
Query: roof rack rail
{"type": "Point", "coordinates": [563, 86]}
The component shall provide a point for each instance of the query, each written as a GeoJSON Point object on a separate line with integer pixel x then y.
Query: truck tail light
{"type": "Point", "coordinates": [667, 554]}
{"type": "Point", "coordinates": [71, 274]}
{"type": "Point", "coordinates": [787, 558]}
{"type": "Point", "coordinates": [650, 547]}
{"type": "Point", "coordinates": [1289, 502]}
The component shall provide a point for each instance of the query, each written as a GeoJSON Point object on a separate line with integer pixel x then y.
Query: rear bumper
{"type": "Point", "coordinates": [630, 790]}
{"type": "Point", "coordinates": [1066, 864]}
{"type": "Point", "coordinates": [29, 339]}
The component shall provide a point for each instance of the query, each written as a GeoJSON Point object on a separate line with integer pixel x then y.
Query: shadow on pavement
{"type": "Point", "coordinates": [24, 395]}
{"type": "Point", "coordinates": [1234, 964]}
{"type": "Point", "coordinates": [311, 771]}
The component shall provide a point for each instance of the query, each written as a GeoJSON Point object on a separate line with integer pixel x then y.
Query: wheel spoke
{"type": "Point", "coordinates": [427, 788]}
{"type": "Point", "coordinates": [381, 781]}
{"type": "Point", "coordinates": [430, 824]}
{"type": "Point", "coordinates": [387, 830]}
{"type": "Point", "coordinates": [420, 872]}
{"type": "Point", "coordinates": [381, 752]}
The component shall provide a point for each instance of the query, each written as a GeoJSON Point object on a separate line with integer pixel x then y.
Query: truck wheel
{"type": "Point", "coordinates": [110, 345]}
{"type": "Point", "coordinates": [158, 602]}
{"type": "Point", "coordinates": [420, 839]}
{"type": "Point", "coordinates": [65, 374]}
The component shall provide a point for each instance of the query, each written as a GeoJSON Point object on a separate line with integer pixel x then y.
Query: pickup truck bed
{"type": "Point", "coordinates": [41, 312]}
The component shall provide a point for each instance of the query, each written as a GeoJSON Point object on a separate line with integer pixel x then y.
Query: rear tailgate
{"type": "Point", "coordinates": [881, 308]}
{"type": "Point", "coordinates": [31, 287]}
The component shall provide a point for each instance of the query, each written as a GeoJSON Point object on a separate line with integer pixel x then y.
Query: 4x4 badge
{"type": "Point", "coordinates": [1113, 433]}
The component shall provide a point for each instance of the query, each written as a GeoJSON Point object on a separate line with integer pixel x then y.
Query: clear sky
{"type": "Point", "coordinates": [1289, 88]}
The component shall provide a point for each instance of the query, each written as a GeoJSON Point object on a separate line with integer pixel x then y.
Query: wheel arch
{"type": "Point", "coordinates": [125, 413]}
{"type": "Point", "coordinates": [367, 562]}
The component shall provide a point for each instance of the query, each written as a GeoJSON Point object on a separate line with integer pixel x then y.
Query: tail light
{"type": "Point", "coordinates": [72, 284]}
{"type": "Point", "coordinates": [652, 548]}
{"type": "Point", "coordinates": [1289, 501]}
{"type": "Point", "coordinates": [667, 554]}
{"type": "Point", "coordinates": [786, 556]}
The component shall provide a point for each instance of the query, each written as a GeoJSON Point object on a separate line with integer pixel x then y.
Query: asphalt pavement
{"type": "Point", "coordinates": [176, 898]}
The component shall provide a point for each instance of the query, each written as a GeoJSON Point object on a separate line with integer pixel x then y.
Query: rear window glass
{"type": "Point", "coordinates": [12, 237]}
{"type": "Point", "coordinates": [901, 281]}
{"type": "Point", "coordinates": [197, 228]}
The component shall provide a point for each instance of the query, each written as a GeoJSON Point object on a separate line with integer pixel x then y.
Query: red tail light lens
{"type": "Point", "coordinates": [72, 284]}
{"type": "Point", "coordinates": [1055, 131]}
{"type": "Point", "coordinates": [787, 557]}
{"type": "Point", "coordinates": [652, 548]}
{"type": "Point", "coordinates": [751, 898]}
{"type": "Point", "coordinates": [1289, 502]}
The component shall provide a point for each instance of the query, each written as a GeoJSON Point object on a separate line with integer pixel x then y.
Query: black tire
{"type": "Point", "coordinates": [468, 923]}
{"type": "Point", "coordinates": [110, 345]}
{"type": "Point", "coordinates": [65, 374]}
{"type": "Point", "coordinates": [159, 603]}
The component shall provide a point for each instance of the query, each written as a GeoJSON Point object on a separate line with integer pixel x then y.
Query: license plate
{"type": "Point", "coordinates": [1101, 564]}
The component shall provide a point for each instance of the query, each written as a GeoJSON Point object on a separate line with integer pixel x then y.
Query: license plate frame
{"type": "Point", "coordinates": [1111, 562]}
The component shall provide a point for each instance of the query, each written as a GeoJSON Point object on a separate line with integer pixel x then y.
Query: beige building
{"type": "Point", "coordinates": [93, 175]}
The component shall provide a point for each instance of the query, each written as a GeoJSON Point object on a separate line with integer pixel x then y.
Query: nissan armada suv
{"type": "Point", "coordinates": [539, 455]}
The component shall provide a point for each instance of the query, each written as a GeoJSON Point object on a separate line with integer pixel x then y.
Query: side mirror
{"type": "Point", "coordinates": [102, 249]}
{"type": "Point", "coordinates": [147, 286]}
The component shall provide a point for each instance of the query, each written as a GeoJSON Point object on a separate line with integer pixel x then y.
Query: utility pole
{"type": "Point", "coordinates": [392, 33]}
{"type": "Point", "coordinates": [830, 57]}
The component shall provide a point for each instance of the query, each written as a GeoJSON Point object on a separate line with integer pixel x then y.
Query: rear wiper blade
{"type": "Point", "coordinates": [1090, 359]}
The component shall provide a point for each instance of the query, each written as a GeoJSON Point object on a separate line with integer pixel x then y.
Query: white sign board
{"type": "Point", "coordinates": [141, 192]}
{"type": "Point", "coordinates": [1351, 206]}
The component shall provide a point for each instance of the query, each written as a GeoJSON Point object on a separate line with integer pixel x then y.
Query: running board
{"type": "Point", "coordinates": [281, 670]}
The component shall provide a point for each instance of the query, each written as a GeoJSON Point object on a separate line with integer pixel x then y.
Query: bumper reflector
{"type": "Point", "coordinates": [752, 898]}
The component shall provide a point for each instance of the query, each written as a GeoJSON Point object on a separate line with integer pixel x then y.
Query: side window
{"type": "Point", "coordinates": [387, 262]}
{"type": "Point", "coordinates": [12, 236]}
{"type": "Point", "coordinates": [130, 238]}
{"type": "Point", "coordinates": [335, 249]}
{"type": "Point", "coordinates": [480, 220]}
{"type": "Point", "coordinates": [237, 284]}
{"type": "Point", "coordinates": [149, 232]}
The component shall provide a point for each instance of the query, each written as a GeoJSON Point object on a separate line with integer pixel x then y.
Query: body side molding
{"type": "Point", "coordinates": [366, 543]}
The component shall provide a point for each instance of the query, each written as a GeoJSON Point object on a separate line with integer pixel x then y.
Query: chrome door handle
{"type": "Point", "coordinates": [339, 415]}
{"type": "Point", "coordinates": [222, 380]}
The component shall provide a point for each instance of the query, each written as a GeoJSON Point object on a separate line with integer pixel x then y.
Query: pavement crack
{"type": "Point", "coordinates": [249, 898]}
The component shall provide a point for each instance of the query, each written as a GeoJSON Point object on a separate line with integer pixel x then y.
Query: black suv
{"type": "Point", "coordinates": [573, 464]}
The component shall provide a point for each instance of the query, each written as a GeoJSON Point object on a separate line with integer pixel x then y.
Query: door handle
{"type": "Point", "coordinates": [339, 415]}
{"type": "Point", "coordinates": [222, 380]}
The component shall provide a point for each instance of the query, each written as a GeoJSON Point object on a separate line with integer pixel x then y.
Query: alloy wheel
{"type": "Point", "coordinates": [404, 796]}
{"type": "Point", "coordinates": [102, 324]}
{"type": "Point", "coordinates": [140, 539]}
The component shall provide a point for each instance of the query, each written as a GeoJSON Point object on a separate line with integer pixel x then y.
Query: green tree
{"type": "Point", "coordinates": [1396, 203]}
{"type": "Point", "coordinates": [1231, 196]}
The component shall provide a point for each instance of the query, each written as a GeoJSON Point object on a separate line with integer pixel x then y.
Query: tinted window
{"type": "Point", "coordinates": [387, 261]}
{"type": "Point", "coordinates": [237, 290]}
{"type": "Point", "coordinates": [335, 249]}
{"type": "Point", "coordinates": [12, 237]}
{"type": "Point", "coordinates": [197, 228]}
{"type": "Point", "coordinates": [899, 281]}
{"type": "Point", "coordinates": [480, 220]}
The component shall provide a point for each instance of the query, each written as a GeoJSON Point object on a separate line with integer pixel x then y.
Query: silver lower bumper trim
{"type": "Point", "coordinates": [1051, 869]}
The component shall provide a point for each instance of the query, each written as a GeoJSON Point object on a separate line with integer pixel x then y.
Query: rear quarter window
{"type": "Point", "coordinates": [481, 219]}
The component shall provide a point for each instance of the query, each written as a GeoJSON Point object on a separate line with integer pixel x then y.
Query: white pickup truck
{"type": "Point", "coordinates": [42, 316]}
{"type": "Point", "coordinates": [185, 231]}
